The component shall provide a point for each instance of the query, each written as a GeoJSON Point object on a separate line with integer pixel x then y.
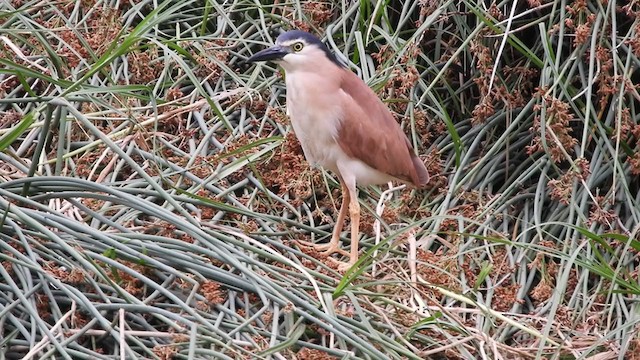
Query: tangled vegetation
{"type": "Point", "coordinates": [153, 196]}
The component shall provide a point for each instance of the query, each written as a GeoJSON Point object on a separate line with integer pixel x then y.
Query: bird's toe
{"type": "Point", "coordinates": [329, 250]}
{"type": "Point", "coordinates": [325, 249]}
{"type": "Point", "coordinates": [344, 266]}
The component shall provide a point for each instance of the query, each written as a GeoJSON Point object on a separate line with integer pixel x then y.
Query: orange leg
{"type": "Point", "coordinates": [334, 245]}
{"type": "Point", "coordinates": [354, 212]}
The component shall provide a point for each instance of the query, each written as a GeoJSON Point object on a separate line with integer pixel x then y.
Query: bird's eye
{"type": "Point", "coordinates": [297, 46]}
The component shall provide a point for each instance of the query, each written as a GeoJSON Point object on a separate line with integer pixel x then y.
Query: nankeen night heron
{"type": "Point", "coordinates": [342, 126]}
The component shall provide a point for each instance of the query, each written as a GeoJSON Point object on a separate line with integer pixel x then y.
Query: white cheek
{"type": "Point", "coordinates": [293, 60]}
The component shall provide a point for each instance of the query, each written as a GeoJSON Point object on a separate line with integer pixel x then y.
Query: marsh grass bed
{"type": "Point", "coordinates": [153, 196]}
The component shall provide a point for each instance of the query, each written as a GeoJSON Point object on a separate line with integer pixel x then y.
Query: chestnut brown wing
{"type": "Point", "coordinates": [368, 132]}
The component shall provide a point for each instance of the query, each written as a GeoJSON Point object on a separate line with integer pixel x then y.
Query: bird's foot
{"type": "Point", "coordinates": [325, 249]}
{"type": "Point", "coordinates": [342, 266]}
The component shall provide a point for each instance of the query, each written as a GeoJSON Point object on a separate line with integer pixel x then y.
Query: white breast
{"type": "Point", "coordinates": [315, 118]}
